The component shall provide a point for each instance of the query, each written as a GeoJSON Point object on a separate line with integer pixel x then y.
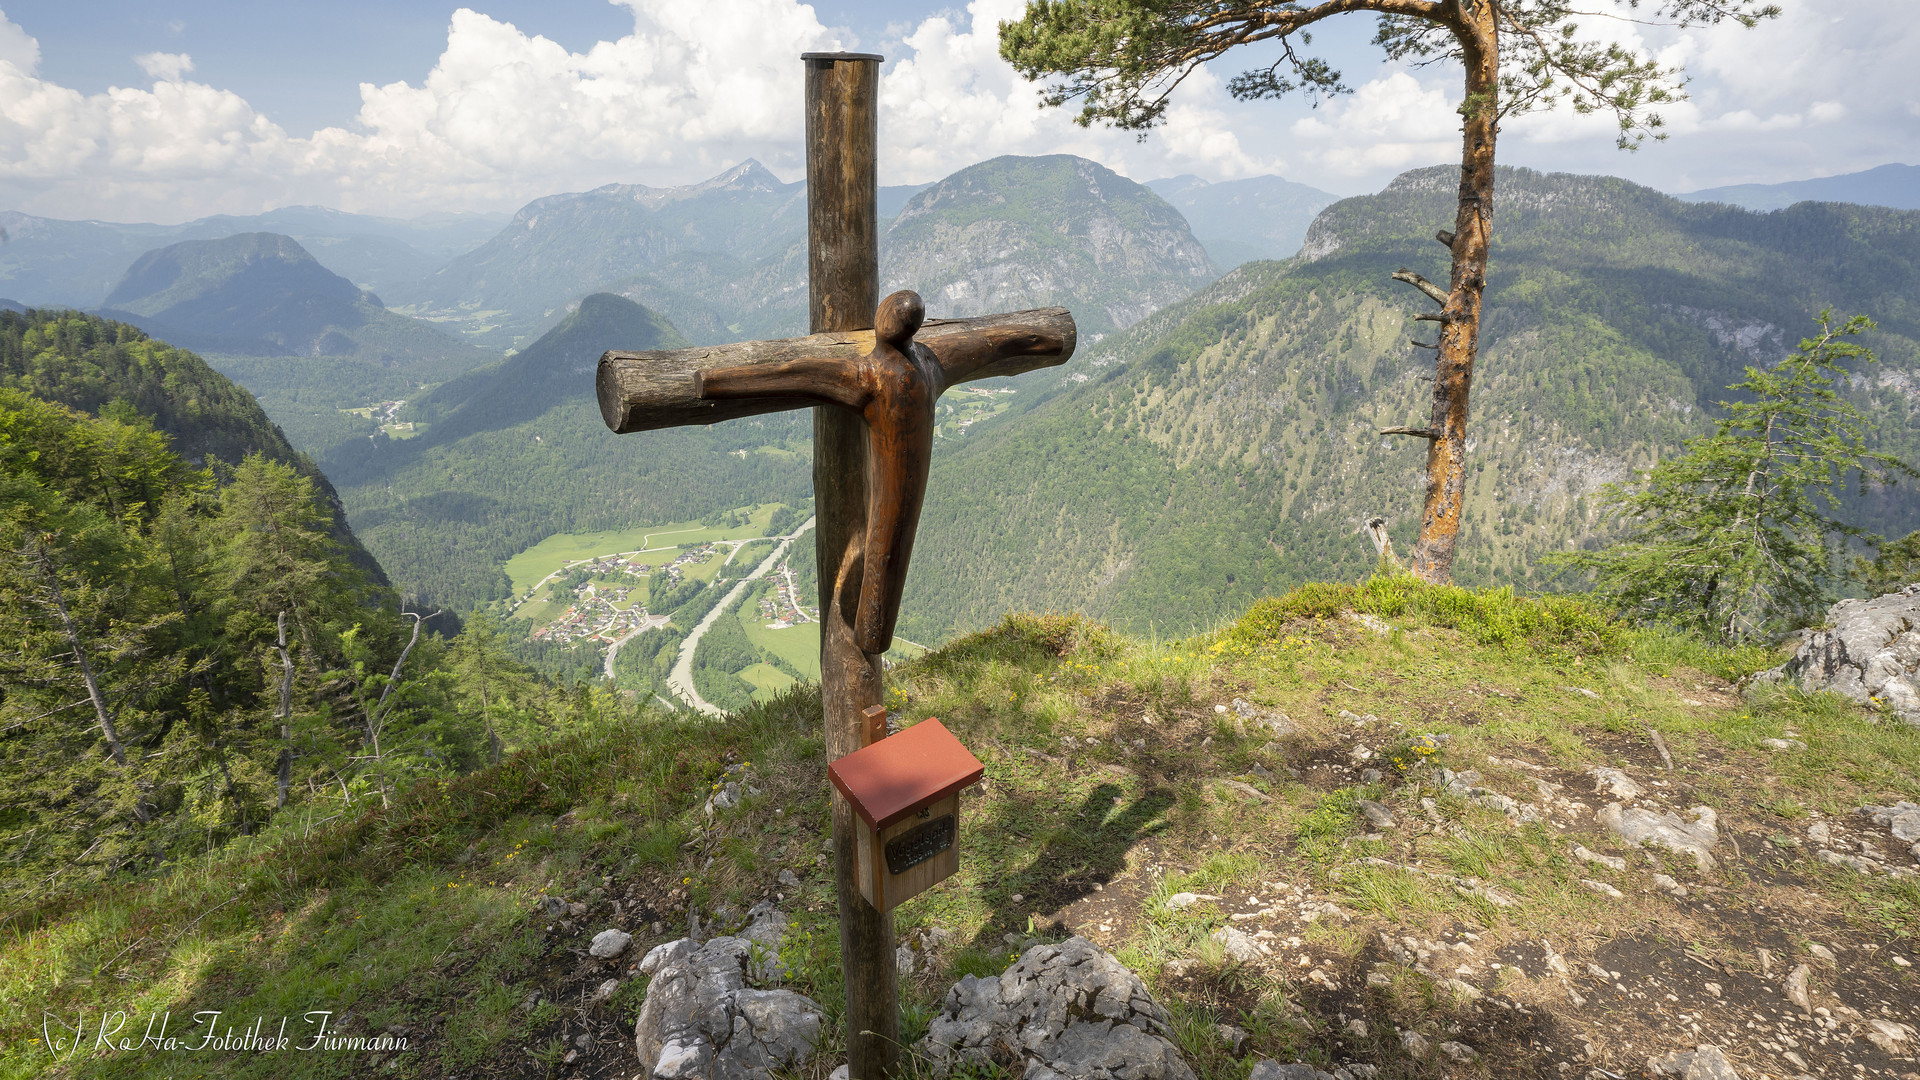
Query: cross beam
{"type": "Point", "coordinates": [893, 386]}
{"type": "Point", "coordinates": [873, 384]}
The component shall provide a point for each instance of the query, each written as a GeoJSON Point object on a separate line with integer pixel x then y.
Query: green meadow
{"type": "Point", "coordinates": [556, 551]}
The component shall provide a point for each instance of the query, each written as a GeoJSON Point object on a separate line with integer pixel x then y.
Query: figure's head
{"type": "Point", "coordinates": [899, 317]}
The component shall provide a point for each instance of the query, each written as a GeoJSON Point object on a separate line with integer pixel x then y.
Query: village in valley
{"type": "Point", "coordinates": [606, 596]}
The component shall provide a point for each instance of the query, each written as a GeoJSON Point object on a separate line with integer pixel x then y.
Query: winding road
{"type": "Point", "coordinates": [680, 679]}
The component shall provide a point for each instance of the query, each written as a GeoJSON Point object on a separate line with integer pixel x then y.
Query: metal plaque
{"type": "Point", "coordinates": [917, 845]}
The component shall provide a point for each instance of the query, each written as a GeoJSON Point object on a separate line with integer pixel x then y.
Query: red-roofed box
{"type": "Point", "coordinates": [906, 792]}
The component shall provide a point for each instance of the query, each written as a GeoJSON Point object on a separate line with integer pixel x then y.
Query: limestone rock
{"type": "Point", "coordinates": [1278, 723]}
{"type": "Point", "coordinates": [702, 1019]}
{"type": "Point", "coordinates": [1063, 1012]}
{"type": "Point", "coordinates": [1377, 815]}
{"type": "Point", "coordinates": [608, 944]}
{"type": "Point", "coordinates": [1265, 1069]}
{"type": "Point", "coordinates": [1611, 862]}
{"type": "Point", "coordinates": [1240, 946]}
{"type": "Point", "coordinates": [1700, 1063]}
{"type": "Point", "coordinates": [1888, 1035]}
{"type": "Point", "coordinates": [1181, 901]}
{"type": "Point", "coordinates": [1694, 838]}
{"type": "Point", "coordinates": [1609, 781]}
{"type": "Point", "coordinates": [1872, 650]}
{"type": "Point", "coordinates": [1903, 818]}
{"type": "Point", "coordinates": [661, 955]}
{"type": "Point", "coordinates": [1796, 988]}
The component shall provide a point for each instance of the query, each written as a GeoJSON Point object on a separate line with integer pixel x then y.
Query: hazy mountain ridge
{"type": "Point", "coordinates": [726, 258]}
{"type": "Point", "coordinates": [1894, 186]}
{"type": "Point", "coordinates": [1260, 217]}
{"type": "Point", "coordinates": [262, 294]}
{"type": "Point", "coordinates": [1015, 233]}
{"type": "Point", "coordinates": [561, 247]}
{"type": "Point", "coordinates": [50, 262]}
{"type": "Point", "coordinates": [1227, 447]}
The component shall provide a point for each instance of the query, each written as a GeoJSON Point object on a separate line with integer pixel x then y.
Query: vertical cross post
{"type": "Point", "coordinates": [843, 275]}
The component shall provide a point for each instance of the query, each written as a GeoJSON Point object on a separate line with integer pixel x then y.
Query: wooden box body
{"type": "Point", "coordinates": [905, 793]}
{"type": "Point", "coordinates": [940, 854]}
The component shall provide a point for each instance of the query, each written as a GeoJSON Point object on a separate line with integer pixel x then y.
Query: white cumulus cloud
{"type": "Point", "coordinates": [503, 116]}
{"type": "Point", "coordinates": [168, 67]}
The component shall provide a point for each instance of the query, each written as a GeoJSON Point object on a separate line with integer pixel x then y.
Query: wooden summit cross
{"type": "Point", "coordinates": [872, 371]}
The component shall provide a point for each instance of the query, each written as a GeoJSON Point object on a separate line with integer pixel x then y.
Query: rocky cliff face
{"type": "Point", "coordinates": [1016, 233]}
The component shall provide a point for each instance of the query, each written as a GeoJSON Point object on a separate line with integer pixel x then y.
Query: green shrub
{"type": "Point", "coordinates": [1488, 616]}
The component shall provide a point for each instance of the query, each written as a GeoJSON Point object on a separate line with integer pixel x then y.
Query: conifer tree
{"type": "Point", "coordinates": [1122, 60]}
{"type": "Point", "coordinates": [1738, 537]}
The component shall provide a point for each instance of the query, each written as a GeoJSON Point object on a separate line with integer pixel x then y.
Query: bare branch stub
{"type": "Point", "coordinates": [1434, 292]}
{"type": "Point", "coordinates": [894, 384]}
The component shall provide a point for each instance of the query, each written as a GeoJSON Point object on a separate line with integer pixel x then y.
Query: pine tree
{"type": "Point", "coordinates": [1122, 60]}
{"type": "Point", "coordinates": [1738, 537]}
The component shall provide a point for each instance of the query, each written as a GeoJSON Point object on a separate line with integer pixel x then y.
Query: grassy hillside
{"type": "Point", "coordinates": [1120, 773]}
{"type": "Point", "coordinates": [1228, 447]}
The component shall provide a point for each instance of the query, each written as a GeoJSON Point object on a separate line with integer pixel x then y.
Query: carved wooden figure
{"type": "Point", "coordinates": [894, 388]}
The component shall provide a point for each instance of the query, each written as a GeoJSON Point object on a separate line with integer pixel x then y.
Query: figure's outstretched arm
{"type": "Point", "coordinates": [961, 355]}
{"type": "Point", "coordinates": [829, 382]}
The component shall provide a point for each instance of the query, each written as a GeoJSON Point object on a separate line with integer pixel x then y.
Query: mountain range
{"type": "Point", "coordinates": [1206, 447]}
{"type": "Point", "coordinates": [1228, 446]}
{"type": "Point", "coordinates": [1262, 217]}
{"type": "Point", "coordinates": [50, 262]}
{"type": "Point", "coordinates": [726, 258]}
{"type": "Point", "coordinates": [1895, 186]}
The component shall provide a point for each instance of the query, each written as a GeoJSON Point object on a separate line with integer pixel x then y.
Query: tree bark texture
{"type": "Point", "coordinates": [1446, 479]}
{"type": "Point", "coordinates": [843, 268]}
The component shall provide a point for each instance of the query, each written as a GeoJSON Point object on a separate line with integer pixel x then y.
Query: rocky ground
{"type": "Point", "coordinates": [1405, 897]}
{"type": "Point", "coordinates": [1497, 839]}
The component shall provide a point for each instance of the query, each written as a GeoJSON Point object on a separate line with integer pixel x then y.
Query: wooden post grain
{"type": "Point", "coordinates": [843, 272]}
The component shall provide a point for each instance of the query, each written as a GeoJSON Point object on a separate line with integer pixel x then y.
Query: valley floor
{"type": "Point", "coordinates": [1355, 839]}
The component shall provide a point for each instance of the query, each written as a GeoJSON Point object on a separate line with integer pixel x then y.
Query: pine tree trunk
{"type": "Point", "coordinates": [285, 769]}
{"type": "Point", "coordinates": [100, 711]}
{"type": "Point", "coordinates": [1446, 486]}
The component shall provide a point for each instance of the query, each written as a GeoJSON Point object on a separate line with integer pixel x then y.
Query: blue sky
{"type": "Point", "coordinates": [165, 110]}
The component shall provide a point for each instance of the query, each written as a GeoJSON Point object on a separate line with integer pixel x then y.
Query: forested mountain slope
{"type": "Point", "coordinates": [262, 294]}
{"type": "Point", "coordinates": [1228, 447]}
{"type": "Point", "coordinates": [107, 368]}
{"type": "Point", "coordinates": [517, 452]}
